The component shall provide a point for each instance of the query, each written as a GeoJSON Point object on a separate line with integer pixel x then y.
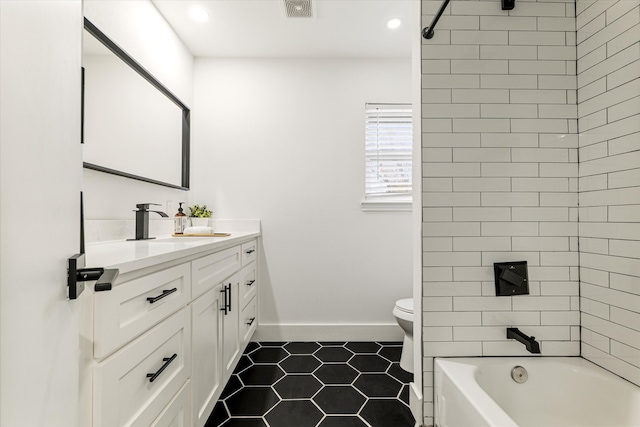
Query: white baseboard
{"type": "Point", "coordinates": [415, 403]}
{"type": "Point", "coordinates": [345, 332]}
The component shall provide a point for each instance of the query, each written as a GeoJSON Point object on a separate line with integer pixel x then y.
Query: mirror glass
{"type": "Point", "coordinates": [132, 125]}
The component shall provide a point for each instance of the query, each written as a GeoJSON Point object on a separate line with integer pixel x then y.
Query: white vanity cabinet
{"type": "Point", "coordinates": [168, 335]}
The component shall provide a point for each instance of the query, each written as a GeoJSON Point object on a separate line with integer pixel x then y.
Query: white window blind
{"type": "Point", "coordinates": [388, 151]}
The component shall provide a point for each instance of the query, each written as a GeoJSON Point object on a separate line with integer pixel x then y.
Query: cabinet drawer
{"type": "Point", "coordinates": [177, 413]}
{"type": "Point", "coordinates": [211, 270]}
{"type": "Point", "coordinates": [133, 307]}
{"type": "Point", "coordinates": [249, 252]}
{"type": "Point", "coordinates": [248, 285]}
{"type": "Point", "coordinates": [248, 321]}
{"type": "Point", "coordinates": [124, 394]}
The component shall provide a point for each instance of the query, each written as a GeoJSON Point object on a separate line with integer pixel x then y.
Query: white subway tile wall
{"type": "Point", "coordinates": [500, 172]}
{"type": "Point", "coordinates": [502, 179]}
{"type": "Point", "coordinates": [608, 65]}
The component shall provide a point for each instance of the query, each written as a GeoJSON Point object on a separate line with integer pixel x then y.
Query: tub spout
{"type": "Point", "coordinates": [529, 341]}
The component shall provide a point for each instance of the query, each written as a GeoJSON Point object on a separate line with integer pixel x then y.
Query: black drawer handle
{"type": "Point", "coordinates": [249, 251]}
{"type": "Point", "coordinates": [167, 361]}
{"type": "Point", "coordinates": [165, 292]}
{"type": "Point", "coordinates": [250, 322]}
{"type": "Point", "coordinates": [250, 282]}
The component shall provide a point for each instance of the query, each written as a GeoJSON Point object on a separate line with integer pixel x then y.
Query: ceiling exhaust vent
{"type": "Point", "coordinates": [298, 8]}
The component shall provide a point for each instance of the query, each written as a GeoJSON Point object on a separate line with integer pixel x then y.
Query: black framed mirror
{"type": "Point", "coordinates": [132, 125]}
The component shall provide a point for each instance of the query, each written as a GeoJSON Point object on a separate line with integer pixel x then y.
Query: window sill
{"type": "Point", "coordinates": [386, 205]}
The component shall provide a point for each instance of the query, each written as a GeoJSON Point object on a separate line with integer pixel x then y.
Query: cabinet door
{"type": "Point", "coordinates": [230, 327]}
{"type": "Point", "coordinates": [206, 349]}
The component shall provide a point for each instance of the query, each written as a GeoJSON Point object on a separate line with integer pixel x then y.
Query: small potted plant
{"type": "Point", "coordinates": [199, 215]}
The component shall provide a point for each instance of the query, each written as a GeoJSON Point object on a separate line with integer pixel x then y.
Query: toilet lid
{"type": "Point", "coordinates": [405, 305]}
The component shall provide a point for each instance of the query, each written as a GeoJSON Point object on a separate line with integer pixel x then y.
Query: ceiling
{"type": "Point", "coordinates": [260, 28]}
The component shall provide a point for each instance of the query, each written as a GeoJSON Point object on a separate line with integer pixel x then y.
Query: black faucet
{"type": "Point", "coordinates": [142, 220]}
{"type": "Point", "coordinates": [529, 341]}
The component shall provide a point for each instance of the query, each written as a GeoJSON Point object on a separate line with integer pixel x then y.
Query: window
{"type": "Point", "coordinates": [388, 153]}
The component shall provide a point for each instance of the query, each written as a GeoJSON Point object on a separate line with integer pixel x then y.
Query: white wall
{"type": "Point", "coordinates": [500, 178]}
{"type": "Point", "coordinates": [40, 173]}
{"type": "Point", "coordinates": [139, 29]}
{"type": "Point", "coordinates": [609, 122]}
{"type": "Point", "coordinates": [282, 140]}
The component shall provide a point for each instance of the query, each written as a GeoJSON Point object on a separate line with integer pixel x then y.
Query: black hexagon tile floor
{"type": "Point", "coordinates": [316, 384]}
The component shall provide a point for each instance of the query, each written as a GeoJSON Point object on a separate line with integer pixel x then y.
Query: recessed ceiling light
{"type": "Point", "coordinates": [394, 23]}
{"type": "Point", "coordinates": [198, 14]}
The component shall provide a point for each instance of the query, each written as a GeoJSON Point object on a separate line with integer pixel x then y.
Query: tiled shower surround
{"type": "Point", "coordinates": [502, 92]}
{"type": "Point", "coordinates": [609, 183]}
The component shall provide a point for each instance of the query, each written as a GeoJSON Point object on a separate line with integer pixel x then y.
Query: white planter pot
{"type": "Point", "coordinates": [200, 222]}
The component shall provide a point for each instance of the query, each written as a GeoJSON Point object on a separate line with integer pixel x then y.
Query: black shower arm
{"type": "Point", "coordinates": [428, 32]}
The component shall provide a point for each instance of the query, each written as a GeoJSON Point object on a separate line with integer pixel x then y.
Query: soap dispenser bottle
{"type": "Point", "coordinates": [180, 221]}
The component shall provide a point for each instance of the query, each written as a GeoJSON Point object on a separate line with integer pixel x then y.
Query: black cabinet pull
{"type": "Point", "coordinates": [224, 305]}
{"type": "Point", "coordinates": [250, 282]}
{"type": "Point", "coordinates": [251, 320]}
{"type": "Point", "coordinates": [167, 361]}
{"type": "Point", "coordinates": [249, 251]}
{"type": "Point", "coordinates": [165, 292]}
{"type": "Point", "coordinates": [227, 299]}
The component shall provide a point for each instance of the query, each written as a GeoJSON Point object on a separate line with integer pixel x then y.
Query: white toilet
{"type": "Point", "coordinates": [403, 312]}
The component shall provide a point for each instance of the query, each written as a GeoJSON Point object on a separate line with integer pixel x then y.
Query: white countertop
{"type": "Point", "coordinates": [133, 255]}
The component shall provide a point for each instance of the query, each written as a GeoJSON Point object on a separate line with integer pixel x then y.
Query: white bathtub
{"type": "Point", "coordinates": [559, 391]}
